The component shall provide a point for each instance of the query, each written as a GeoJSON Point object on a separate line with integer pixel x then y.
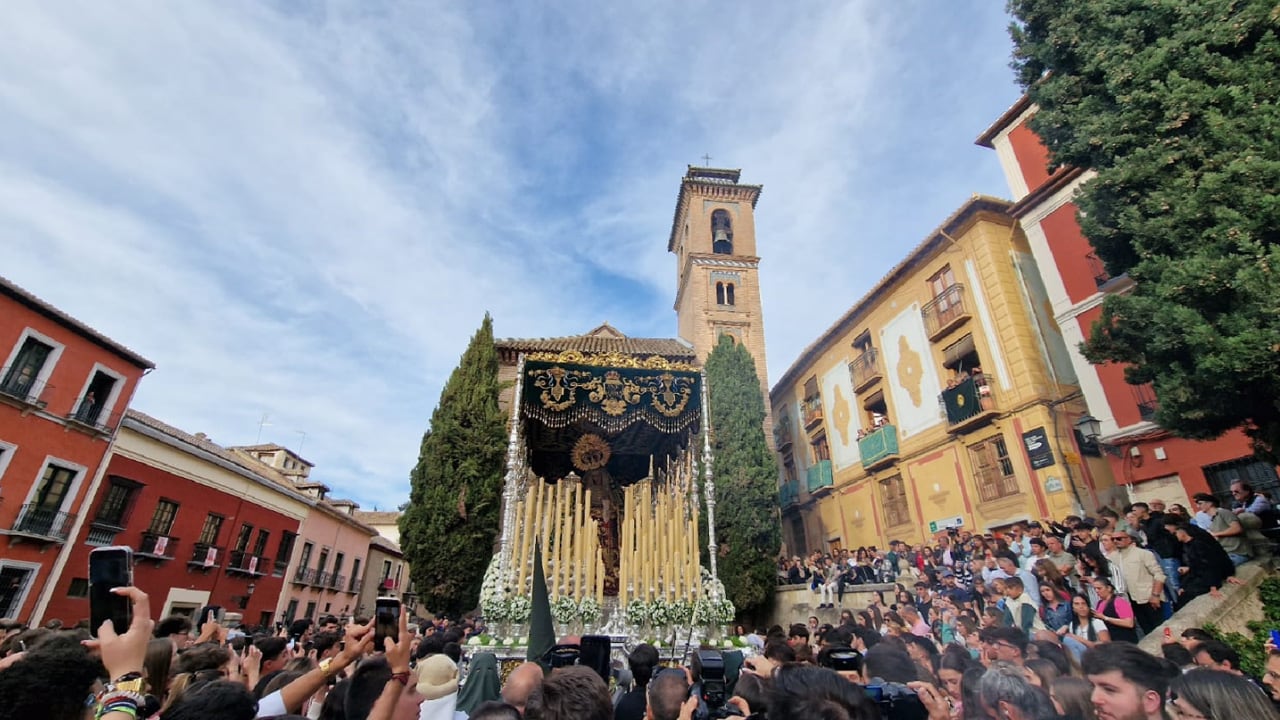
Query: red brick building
{"type": "Point", "coordinates": [208, 527]}
{"type": "Point", "coordinates": [63, 390]}
{"type": "Point", "coordinates": [1147, 460]}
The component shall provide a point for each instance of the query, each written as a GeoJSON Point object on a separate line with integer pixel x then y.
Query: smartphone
{"type": "Point", "coordinates": [386, 622]}
{"type": "Point", "coordinates": [208, 612]}
{"type": "Point", "coordinates": [109, 568]}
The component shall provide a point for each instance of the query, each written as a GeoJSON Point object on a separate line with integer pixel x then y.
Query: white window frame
{"type": "Point", "coordinates": [111, 399]}
{"type": "Point", "coordinates": [72, 491]}
{"type": "Point", "coordinates": [7, 451]}
{"type": "Point", "coordinates": [42, 378]}
{"type": "Point", "coordinates": [34, 568]}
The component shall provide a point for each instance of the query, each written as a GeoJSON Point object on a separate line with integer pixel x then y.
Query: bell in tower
{"type": "Point", "coordinates": [721, 233]}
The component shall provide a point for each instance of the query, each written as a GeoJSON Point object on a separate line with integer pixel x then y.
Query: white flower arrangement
{"type": "Point", "coordinates": [564, 609]}
{"type": "Point", "coordinates": [588, 610]}
{"type": "Point", "coordinates": [660, 613]}
{"type": "Point", "coordinates": [679, 612]}
{"type": "Point", "coordinates": [638, 613]}
{"type": "Point", "coordinates": [519, 608]}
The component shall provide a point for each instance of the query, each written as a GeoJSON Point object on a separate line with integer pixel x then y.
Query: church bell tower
{"type": "Point", "coordinates": [713, 237]}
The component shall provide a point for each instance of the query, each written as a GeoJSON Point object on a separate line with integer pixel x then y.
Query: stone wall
{"type": "Point", "coordinates": [796, 603]}
{"type": "Point", "coordinates": [1238, 606]}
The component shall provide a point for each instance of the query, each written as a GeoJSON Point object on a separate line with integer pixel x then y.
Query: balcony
{"type": "Point", "coordinates": [357, 584]}
{"type": "Point", "coordinates": [25, 392]}
{"type": "Point", "coordinates": [102, 534]}
{"type": "Point", "coordinates": [879, 447]}
{"type": "Point", "coordinates": [42, 524]}
{"type": "Point", "coordinates": [156, 546]}
{"type": "Point", "coordinates": [205, 556]}
{"type": "Point", "coordinates": [782, 433]}
{"type": "Point", "coordinates": [969, 404]}
{"type": "Point", "coordinates": [321, 579]}
{"type": "Point", "coordinates": [247, 563]}
{"type": "Point", "coordinates": [945, 313]}
{"type": "Point", "coordinates": [387, 585]}
{"type": "Point", "coordinates": [1144, 396]}
{"type": "Point", "coordinates": [865, 369]}
{"type": "Point", "coordinates": [91, 419]}
{"type": "Point", "coordinates": [789, 493]}
{"type": "Point", "coordinates": [304, 576]}
{"type": "Point", "coordinates": [1099, 270]}
{"type": "Point", "coordinates": [812, 412]}
{"type": "Point", "coordinates": [337, 582]}
{"type": "Point", "coordinates": [819, 477]}
{"type": "Point", "coordinates": [281, 567]}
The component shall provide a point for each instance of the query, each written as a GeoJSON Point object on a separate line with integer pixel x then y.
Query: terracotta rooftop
{"type": "Point", "coordinates": [378, 517]}
{"type": "Point", "coordinates": [272, 447]}
{"type": "Point", "coordinates": [603, 339]}
{"type": "Point", "coordinates": [201, 441]}
{"type": "Point", "coordinates": [8, 288]}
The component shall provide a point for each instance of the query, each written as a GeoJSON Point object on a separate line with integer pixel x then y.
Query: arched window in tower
{"type": "Point", "coordinates": [728, 294]}
{"type": "Point", "coordinates": [721, 233]}
{"type": "Point", "coordinates": [719, 293]}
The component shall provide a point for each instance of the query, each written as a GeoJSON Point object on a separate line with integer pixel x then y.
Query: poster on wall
{"type": "Point", "coordinates": [1038, 451]}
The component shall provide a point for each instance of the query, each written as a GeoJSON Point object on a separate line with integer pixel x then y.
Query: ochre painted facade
{"type": "Point", "coordinates": [944, 397]}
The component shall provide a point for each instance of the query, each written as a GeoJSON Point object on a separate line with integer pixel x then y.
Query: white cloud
{"type": "Point", "coordinates": [306, 213]}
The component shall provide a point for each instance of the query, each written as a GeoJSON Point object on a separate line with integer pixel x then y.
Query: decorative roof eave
{"type": "Point", "coordinates": [1061, 178]}
{"type": "Point", "coordinates": [922, 252]}
{"type": "Point", "coordinates": [13, 291]}
{"type": "Point", "coordinates": [1006, 118]}
{"type": "Point", "coordinates": [718, 189]}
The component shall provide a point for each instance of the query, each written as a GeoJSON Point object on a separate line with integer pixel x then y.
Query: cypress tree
{"type": "Point", "coordinates": [747, 524]}
{"type": "Point", "coordinates": [448, 530]}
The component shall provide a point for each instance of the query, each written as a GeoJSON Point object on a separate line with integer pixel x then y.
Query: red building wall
{"type": "Point", "coordinates": [1032, 155]}
{"type": "Point", "coordinates": [38, 433]}
{"type": "Point", "coordinates": [157, 577]}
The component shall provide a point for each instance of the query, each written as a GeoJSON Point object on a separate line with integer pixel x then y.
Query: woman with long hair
{"type": "Point", "coordinates": [952, 665]}
{"type": "Point", "coordinates": [1084, 631]}
{"type": "Point", "coordinates": [1072, 697]}
{"type": "Point", "coordinates": [1204, 694]}
{"type": "Point", "coordinates": [1115, 611]}
{"type": "Point", "coordinates": [894, 624]}
{"type": "Point", "coordinates": [1047, 572]}
{"type": "Point", "coordinates": [1055, 607]}
{"type": "Point", "coordinates": [157, 668]}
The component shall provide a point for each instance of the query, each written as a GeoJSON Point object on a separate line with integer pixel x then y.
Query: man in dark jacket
{"type": "Point", "coordinates": [1205, 565]}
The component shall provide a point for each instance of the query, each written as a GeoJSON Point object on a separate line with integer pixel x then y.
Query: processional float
{"type": "Point", "coordinates": [609, 471]}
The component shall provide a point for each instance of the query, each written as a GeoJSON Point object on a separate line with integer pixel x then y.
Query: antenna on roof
{"type": "Point", "coordinates": [303, 441]}
{"type": "Point", "coordinates": [261, 424]}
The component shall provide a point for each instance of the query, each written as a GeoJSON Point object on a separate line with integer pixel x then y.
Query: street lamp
{"type": "Point", "coordinates": [248, 595]}
{"type": "Point", "coordinates": [1091, 429]}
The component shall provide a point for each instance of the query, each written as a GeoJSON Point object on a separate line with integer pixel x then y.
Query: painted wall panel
{"type": "Point", "coordinates": [910, 373]}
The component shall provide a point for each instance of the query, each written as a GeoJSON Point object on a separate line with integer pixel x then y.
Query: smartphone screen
{"type": "Point", "coordinates": [109, 568]}
{"type": "Point", "coordinates": [387, 622]}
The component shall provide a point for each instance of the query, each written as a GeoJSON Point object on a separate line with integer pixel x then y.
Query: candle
{"type": "Point", "coordinates": [562, 522]}
{"type": "Point", "coordinates": [544, 522]}
{"type": "Point", "coordinates": [581, 538]}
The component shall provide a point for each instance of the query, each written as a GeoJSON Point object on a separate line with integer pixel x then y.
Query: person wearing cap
{"type": "Point", "coordinates": [1039, 551]}
{"type": "Point", "coordinates": [1143, 578]}
{"type": "Point", "coordinates": [437, 684]}
{"type": "Point", "coordinates": [960, 597]}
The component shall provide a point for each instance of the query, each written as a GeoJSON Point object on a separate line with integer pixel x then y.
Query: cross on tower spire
{"type": "Point", "coordinates": [706, 160]}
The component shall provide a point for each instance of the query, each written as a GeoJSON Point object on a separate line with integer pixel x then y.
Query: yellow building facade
{"type": "Point", "coordinates": [943, 398]}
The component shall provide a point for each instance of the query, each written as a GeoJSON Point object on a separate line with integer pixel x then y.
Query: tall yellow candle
{"type": "Point", "coordinates": [561, 531]}
{"type": "Point", "coordinates": [526, 542]}
{"type": "Point", "coordinates": [544, 524]}
{"type": "Point", "coordinates": [580, 539]}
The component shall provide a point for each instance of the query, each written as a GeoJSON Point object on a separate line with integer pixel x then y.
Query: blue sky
{"type": "Point", "coordinates": [306, 212]}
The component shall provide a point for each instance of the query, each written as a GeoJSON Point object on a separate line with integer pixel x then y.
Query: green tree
{"type": "Point", "coordinates": [746, 477]}
{"type": "Point", "coordinates": [448, 529]}
{"type": "Point", "coordinates": [1176, 106]}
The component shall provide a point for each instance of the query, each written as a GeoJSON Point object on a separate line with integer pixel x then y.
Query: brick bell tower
{"type": "Point", "coordinates": [713, 237]}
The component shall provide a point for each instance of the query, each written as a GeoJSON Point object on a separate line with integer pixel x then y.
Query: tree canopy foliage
{"type": "Point", "coordinates": [448, 529]}
{"type": "Point", "coordinates": [747, 524]}
{"type": "Point", "coordinates": [1176, 105]}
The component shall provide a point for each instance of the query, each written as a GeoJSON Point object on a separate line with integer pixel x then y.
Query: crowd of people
{"type": "Point", "coordinates": [1143, 564]}
{"type": "Point", "coordinates": [1034, 623]}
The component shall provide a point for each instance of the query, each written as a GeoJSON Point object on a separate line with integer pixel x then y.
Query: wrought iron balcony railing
{"type": "Point", "coordinates": [945, 312]}
{"type": "Point", "coordinates": [155, 545]}
{"type": "Point", "coordinates": [24, 388]}
{"type": "Point", "coordinates": [206, 555]}
{"type": "Point", "coordinates": [865, 368]}
{"type": "Point", "coordinates": [43, 522]}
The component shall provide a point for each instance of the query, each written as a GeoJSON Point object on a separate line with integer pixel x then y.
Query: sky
{"type": "Point", "coordinates": [302, 211]}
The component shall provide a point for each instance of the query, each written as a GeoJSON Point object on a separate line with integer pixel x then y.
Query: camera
{"type": "Point", "coordinates": [710, 686]}
{"type": "Point", "coordinates": [840, 659]}
{"type": "Point", "coordinates": [897, 702]}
